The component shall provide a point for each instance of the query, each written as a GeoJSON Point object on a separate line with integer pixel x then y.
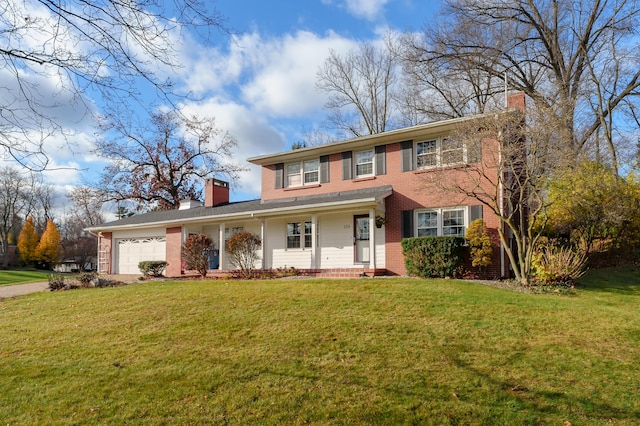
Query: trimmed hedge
{"type": "Point", "coordinates": [153, 268]}
{"type": "Point", "coordinates": [433, 257]}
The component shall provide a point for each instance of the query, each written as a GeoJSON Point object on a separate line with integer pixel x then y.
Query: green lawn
{"type": "Point", "coordinates": [367, 351]}
{"type": "Point", "coordinates": [22, 277]}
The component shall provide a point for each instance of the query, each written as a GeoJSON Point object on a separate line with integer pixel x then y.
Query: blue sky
{"type": "Point", "coordinates": [260, 84]}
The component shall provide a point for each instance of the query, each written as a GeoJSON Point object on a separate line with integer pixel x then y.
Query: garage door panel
{"type": "Point", "coordinates": [131, 251]}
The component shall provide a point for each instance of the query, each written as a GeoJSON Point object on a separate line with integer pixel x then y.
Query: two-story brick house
{"type": "Point", "coordinates": [339, 209]}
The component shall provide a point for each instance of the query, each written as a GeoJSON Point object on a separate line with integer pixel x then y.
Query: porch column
{"type": "Point", "coordinates": [221, 248]}
{"type": "Point", "coordinates": [263, 244]}
{"type": "Point", "coordinates": [314, 236]}
{"type": "Point", "coordinates": [372, 238]}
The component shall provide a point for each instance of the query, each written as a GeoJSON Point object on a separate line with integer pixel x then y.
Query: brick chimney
{"type": "Point", "coordinates": [516, 100]}
{"type": "Point", "coordinates": [216, 192]}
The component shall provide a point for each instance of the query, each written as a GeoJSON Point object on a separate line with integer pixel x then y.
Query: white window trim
{"type": "Point", "coordinates": [438, 154]}
{"type": "Point", "coordinates": [373, 164]}
{"type": "Point", "coordinates": [440, 222]}
{"type": "Point", "coordinates": [302, 234]}
{"type": "Point", "coordinates": [301, 173]}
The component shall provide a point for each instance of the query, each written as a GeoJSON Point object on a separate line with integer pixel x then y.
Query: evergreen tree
{"type": "Point", "coordinates": [49, 245]}
{"type": "Point", "coordinates": [28, 241]}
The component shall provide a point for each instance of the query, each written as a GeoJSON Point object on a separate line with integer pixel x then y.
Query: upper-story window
{"type": "Point", "coordinates": [364, 163]}
{"type": "Point", "coordinates": [300, 173]}
{"type": "Point", "coordinates": [427, 154]}
{"type": "Point", "coordinates": [311, 171]}
{"type": "Point", "coordinates": [303, 173]}
{"type": "Point", "coordinates": [439, 152]}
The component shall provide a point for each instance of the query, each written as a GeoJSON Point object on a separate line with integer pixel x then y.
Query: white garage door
{"type": "Point", "coordinates": [132, 251]}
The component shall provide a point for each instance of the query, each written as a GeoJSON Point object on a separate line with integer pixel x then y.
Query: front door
{"type": "Point", "coordinates": [361, 238]}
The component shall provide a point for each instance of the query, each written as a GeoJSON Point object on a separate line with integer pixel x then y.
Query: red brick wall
{"type": "Point", "coordinates": [104, 253]}
{"type": "Point", "coordinates": [216, 192]}
{"type": "Point", "coordinates": [174, 252]}
{"type": "Point", "coordinates": [411, 190]}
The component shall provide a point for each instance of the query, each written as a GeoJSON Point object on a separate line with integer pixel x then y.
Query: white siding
{"type": "Point", "coordinates": [335, 243]}
{"type": "Point", "coordinates": [380, 247]}
{"type": "Point", "coordinates": [254, 228]}
{"type": "Point", "coordinates": [276, 239]}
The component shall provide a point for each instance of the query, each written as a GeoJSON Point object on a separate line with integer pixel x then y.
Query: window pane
{"type": "Point", "coordinates": [453, 222]}
{"type": "Point", "coordinates": [293, 174]}
{"type": "Point", "coordinates": [427, 224]}
{"type": "Point", "coordinates": [293, 242]}
{"type": "Point", "coordinates": [311, 174]}
{"type": "Point", "coordinates": [293, 228]}
{"type": "Point", "coordinates": [364, 163]}
{"type": "Point", "coordinates": [364, 169]}
{"type": "Point", "coordinates": [427, 153]}
{"type": "Point", "coordinates": [428, 232]}
{"type": "Point", "coordinates": [452, 151]}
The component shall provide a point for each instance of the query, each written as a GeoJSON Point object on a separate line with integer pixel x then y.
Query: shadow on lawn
{"type": "Point", "coordinates": [538, 402]}
{"type": "Point", "coordinates": [622, 280]}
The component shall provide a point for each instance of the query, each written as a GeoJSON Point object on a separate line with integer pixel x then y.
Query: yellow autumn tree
{"type": "Point", "coordinates": [28, 241]}
{"type": "Point", "coordinates": [49, 246]}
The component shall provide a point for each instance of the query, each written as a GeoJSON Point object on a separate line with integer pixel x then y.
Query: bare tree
{"type": "Point", "coordinates": [15, 203]}
{"type": "Point", "coordinates": [362, 88]}
{"type": "Point", "coordinates": [164, 161]}
{"type": "Point", "coordinates": [556, 51]}
{"type": "Point", "coordinates": [54, 54]}
{"type": "Point", "coordinates": [85, 211]}
{"type": "Point", "coordinates": [509, 179]}
{"type": "Point", "coordinates": [443, 87]}
{"type": "Point", "coordinates": [87, 205]}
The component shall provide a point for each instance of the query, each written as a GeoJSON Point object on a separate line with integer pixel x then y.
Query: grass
{"type": "Point", "coordinates": [22, 277]}
{"type": "Point", "coordinates": [368, 351]}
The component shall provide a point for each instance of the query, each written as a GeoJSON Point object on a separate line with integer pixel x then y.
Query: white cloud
{"type": "Point", "coordinates": [365, 9]}
{"type": "Point", "coordinates": [258, 88]}
{"type": "Point", "coordinates": [285, 76]}
{"type": "Point", "coordinates": [253, 134]}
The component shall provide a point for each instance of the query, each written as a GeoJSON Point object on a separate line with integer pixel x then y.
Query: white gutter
{"type": "Point", "coordinates": [255, 214]}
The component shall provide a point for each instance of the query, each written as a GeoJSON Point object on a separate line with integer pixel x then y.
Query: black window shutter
{"type": "Point", "coordinates": [407, 155]}
{"type": "Point", "coordinates": [324, 169]}
{"type": "Point", "coordinates": [475, 212]}
{"type": "Point", "coordinates": [381, 160]}
{"type": "Point", "coordinates": [346, 166]}
{"type": "Point", "coordinates": [279, 175]}
{"type": "Point", "coordinates": [406, 223]}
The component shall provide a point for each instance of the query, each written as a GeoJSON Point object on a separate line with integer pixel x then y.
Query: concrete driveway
{"type": "Point", "coordinates": [21, 289]}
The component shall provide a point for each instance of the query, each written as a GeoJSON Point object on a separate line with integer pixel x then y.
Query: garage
{"type": "Point", "coordinates": [131, 251]}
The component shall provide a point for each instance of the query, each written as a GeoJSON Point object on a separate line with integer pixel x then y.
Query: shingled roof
{"type": "Point", "coordinates": [244, 209]}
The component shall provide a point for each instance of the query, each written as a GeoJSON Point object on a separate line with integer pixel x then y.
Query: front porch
{"type": "Point", "coordinates": [311, 273]}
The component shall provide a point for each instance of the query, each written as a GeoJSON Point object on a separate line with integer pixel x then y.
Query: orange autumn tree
{"type": "Point", "coordinates": [48, 248]}
{"type": "Point", "coordinates": [28, 241]}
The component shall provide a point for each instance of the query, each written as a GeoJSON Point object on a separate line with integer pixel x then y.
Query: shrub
{"type": "Point", "coordinates": [56, 282]}
{"type": "Point", "coordinates": [152, 268]}
{"type": "Point", "coordinates": [480, 248]}
{"type": "Point", "coordinates": [85, 279]}
{"type": "Point", "coordinates": [433, 257]}
{"type": "Point", "coordinates": [195, 253]}
{"type": "Point", "coordinates": [559, 265]}
{"type": "Point", "coordinates": [243, 251]}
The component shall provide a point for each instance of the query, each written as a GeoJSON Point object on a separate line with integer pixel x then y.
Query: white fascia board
{"type": "Point", "coordinates": [256, 214]}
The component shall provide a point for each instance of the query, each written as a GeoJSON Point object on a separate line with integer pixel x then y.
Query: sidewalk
{"type": "Point", "coordinates": [22, 289]}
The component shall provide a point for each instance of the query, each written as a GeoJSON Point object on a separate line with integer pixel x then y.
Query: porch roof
{"type": "Point", "coordinates": [252, 209]}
